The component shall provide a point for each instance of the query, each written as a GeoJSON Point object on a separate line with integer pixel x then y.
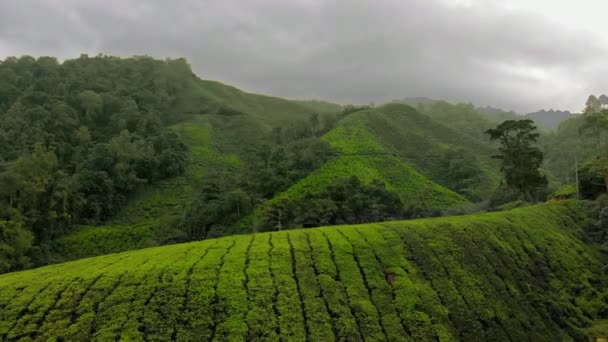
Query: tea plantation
{"type": "Point", "coordinates": [519, 275]}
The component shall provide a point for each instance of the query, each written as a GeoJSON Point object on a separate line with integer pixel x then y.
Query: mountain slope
{"type": "Point", "coordinates": [216, 121]}
{"type": "Point", "coordinates": [549, 119]}
{"type": "Point", "coordinates": [360, 154]}
{"type": "Point", "coordinates": [150, 216]}
{"type": "Point", "coordinates": [425, 144]}
{"type": "Point", "coordinates": [516, 275]}
{"type": "Point", "coordinates": [217, 97]}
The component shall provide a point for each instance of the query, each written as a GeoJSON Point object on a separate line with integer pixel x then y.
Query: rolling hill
{"type": "Point", "coordinates": [360, 154]}
{"type": "Point", "coordinates": [212, 97]}
{"type": "Point", "coordinates": [423, 143]}
{"type": "Point", "coordinates": [549, 119]}
{"type": "Point", "coordinates": [517, 275]}
{"type": "Point", "coordinates": [215, 121]}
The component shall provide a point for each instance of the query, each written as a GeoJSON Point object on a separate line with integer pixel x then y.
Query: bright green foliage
{"type": "Point", "coordinates": [145, 220]}
{"type": "Point", "coordinates": [219, 124]}
{"type": "Point", "coordinates": [361, 155]}
{"type": "Point", "coordinates": [566, 191]}
{"type": "Point", "coordinates": [514, 275]}
{"type": "Point", "coordinates": [426, 144]}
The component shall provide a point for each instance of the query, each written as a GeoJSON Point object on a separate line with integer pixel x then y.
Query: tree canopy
{"type": "Point", "coordinates": [77, 138]}
{"type": "Point", "coordinates": [520, 157]}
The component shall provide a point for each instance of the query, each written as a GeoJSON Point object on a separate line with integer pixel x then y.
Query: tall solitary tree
{"type": "Point", "coordinates": [520, 158]}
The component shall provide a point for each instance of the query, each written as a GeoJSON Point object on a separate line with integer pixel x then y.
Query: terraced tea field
{"type": "Point", "coordinates": [521, 275]}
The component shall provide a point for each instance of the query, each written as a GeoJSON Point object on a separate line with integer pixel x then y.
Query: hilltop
{"type": "Point", "coordinates": [360, 152]}
{"type": "Point", "coordinates": [518, 275]}
{"type": "Point", "coordinates": [549, 119]}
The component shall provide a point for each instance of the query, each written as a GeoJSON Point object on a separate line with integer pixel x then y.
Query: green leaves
{"type": "Point", "coordinates": [77, 138]}
{"type": "Point", "coordinates": [15, 244]}
{"type": "Point", "coordinates": [507, 275]}
{"type": "Point", "coordinates": [520, 158]}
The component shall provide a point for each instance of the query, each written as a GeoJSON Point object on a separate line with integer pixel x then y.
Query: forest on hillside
{"type": "Point", "coordinates": [84, 140]}
{"type": "Point", "coordinates": [78, 139]}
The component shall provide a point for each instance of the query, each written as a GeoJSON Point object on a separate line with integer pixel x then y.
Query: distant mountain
{"type": "Point", "coordinates": [413, 101]}
{"type": "Point", "coordinates": [497, 114]}
{"type": "Point", "coordinates": [549, 119]}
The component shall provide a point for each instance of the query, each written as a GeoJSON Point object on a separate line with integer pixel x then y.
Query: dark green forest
{"type": "Point", "coordinates": [77, 138]}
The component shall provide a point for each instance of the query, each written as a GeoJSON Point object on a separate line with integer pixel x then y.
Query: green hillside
{"type": "Point", "coordinates": [149, 217]}
{"type": "Point", "coordinates": [518, 275]}
{"type": "Point", "coordinates": [360, 154]}
{"type": "Point", "coordinates": [206, 96]}
{"type": "Point", "coordinates": [215, 121]}
{"type": "Point", "coordinates": [463, 117]}
{"type": "Point", "coordinates": [215, 143]}
{"type": "Point", "coordinates": [430, 146]}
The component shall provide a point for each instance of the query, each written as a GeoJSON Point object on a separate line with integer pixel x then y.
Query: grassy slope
{"type": "Point", "coordinates": [155, 207]}
{"type": "Point", "coordinates": [268, 110]}
{"type": "Point", "coordinates": [213, 140]}
{"type": "Point", "coordinates": [519, 275]}
{"type": "Point", "coordinates": [364, 157]}
{"type": "Point", "coordinates": [420, 141]}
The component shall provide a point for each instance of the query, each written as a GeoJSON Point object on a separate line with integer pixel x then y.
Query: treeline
{"type": "Point", "coordinates": [76, 138]}
{"type": "Point", "coordinates": [581, 144]}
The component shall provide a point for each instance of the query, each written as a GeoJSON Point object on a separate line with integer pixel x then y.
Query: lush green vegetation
{"type": "Point", "coordinates": [431, 147]}
{"type": "Point", "coordinates": [517, 275]}
{"type": "Point", "coordinates": [359, 154]}
{"type": "Point", "coordinates": [77, 138]}
{"type": "Point", "coordinates": [124, 143]}
{"type": "Point", "coordinates": [102, 154]}
{"type": "Point", "coordinates": [520, 157]}
{"type": "Point", "coordinates": [463, 117]}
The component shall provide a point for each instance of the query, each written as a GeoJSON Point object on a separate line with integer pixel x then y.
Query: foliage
{"type": "Point", "coordinates": [461, 172]}
{"type": "Point", "coordinates": [565, 191]}
{"type": "Point", "coordinates": [77, 138]}
{"type": "Point", "coordinates": [429, 146]}
{"type": "Point", "coordinates": [513, 205]}
{"type": "Point", "coordinates": [358, 153]}
{"type": "Point", "coordinates": [517, 275]}
{"type": "Point", "coordinates": [15, 244]}
{"type": "Point", "coordinates": [520, 159]}
{"type": "Point", "coordinates": [346, 201]}
{"type": "Point", "coordinates": [227, 194]}
{"type": "Point", "coordinates": [104, 124]}
{"type": "Point", "coordinates": [463, 117]}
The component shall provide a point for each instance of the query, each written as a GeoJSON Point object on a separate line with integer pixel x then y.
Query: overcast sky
{"type": "Point", "coordinates": [517, 54]}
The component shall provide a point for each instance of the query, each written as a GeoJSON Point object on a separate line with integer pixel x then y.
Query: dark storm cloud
{"type": "Point", "coordinates": [346, 51]}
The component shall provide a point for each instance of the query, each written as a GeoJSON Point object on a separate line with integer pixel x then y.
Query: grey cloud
{"type": "Point", "coordinates": [347, 51]}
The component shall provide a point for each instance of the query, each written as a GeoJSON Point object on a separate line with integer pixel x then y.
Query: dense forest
{"type": "Point", "coordinates": [77, 138]}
